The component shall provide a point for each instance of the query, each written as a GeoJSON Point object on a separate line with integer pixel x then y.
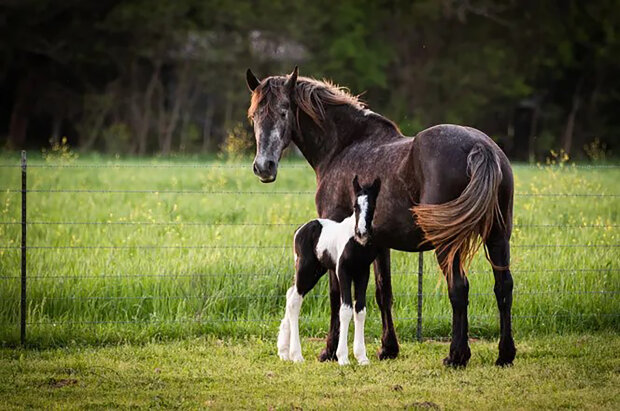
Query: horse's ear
{"type": "Point", "coordinates": [376, 185]}
{"type": "Point", "coordinates": [252, 80]}
{"type": "Point", "coordinates": [356, 185]}
{"type": "Point", "coordinates": [292, 80]}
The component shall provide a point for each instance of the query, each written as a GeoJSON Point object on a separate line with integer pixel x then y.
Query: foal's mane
{"type": "Point", "coordinates": [311, 96]}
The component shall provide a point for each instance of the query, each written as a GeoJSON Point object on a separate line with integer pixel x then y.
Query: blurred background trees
{"type": "Point", "coordinates": [152, 76]}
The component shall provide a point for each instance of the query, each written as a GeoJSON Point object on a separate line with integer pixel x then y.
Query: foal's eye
{"type": "Point", "coordinates": [283, 114]}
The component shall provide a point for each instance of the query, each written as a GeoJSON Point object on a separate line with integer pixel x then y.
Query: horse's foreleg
{"type": "Point", "coordinates": [345, 314]}
{"type": "Point", "coordinates": [329, 352]}
{"type": "Point", "coordinates": [308, 271]}
{"type": "Point", "coordinates": [383, 281]}
{"type": "Point", "coordinates": [459, 299]}
{"type": "Point", "coordinates": [499, 253]}
{"type": "Point", "coordinates": [293, 307]}
{"type": "Point", "coordinates": [284, 335]}
{"type": "Point", "coordinates": [359, 318]}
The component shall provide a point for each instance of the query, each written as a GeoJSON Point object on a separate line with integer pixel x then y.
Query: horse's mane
{"type": "Point", "coordinates": [311, 96]}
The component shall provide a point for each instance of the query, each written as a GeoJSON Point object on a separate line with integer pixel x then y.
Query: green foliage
{"type": "Point", "coordinates": [238, 143]}
{"type": "Point", "coordinates": [96, 65]}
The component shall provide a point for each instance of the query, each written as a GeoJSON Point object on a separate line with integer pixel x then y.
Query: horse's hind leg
{"type": "Point", "coordinates": [329, 352]}
{"type": "Point", "coordinates": [458, 290]}
{"type": "Point", "coordinates": [308, 273]}
{"type": "Point", "coordinates": [499, 252]}
{"type": "Point", "coordinates": [383, 293]}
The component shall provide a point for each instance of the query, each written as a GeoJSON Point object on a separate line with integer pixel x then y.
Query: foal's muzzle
{"type": "Point", "coordinates": [266, 170]}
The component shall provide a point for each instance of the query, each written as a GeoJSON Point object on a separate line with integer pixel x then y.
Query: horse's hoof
{"type": "Point", "coordinates": [507, 354]}
{"type": "Point", "coordinates": [387, 353]}
{"type": "Point", "coordinates": [297, 358]}
{"type": "Point", "coordinates": [363, 361]}
{"type": "Point", "coordinates": [344, 361]}
{"type": "Point", "coordinates": [327, 355]}
{"type": "Point", "coordinates": [283, 357]}
{"type": "Point", "coordinates": [501, 362]}
{"type": "Point", "coordinates": [455, 363]}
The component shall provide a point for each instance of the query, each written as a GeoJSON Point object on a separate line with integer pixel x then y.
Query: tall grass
{"type": "Point", "coordinates": [167, 292]}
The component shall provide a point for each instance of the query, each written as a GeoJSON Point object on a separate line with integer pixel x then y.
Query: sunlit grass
{"type": "Point", "coordinates": [149, 291]}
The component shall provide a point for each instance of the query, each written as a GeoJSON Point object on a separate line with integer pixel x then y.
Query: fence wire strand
{"type": "Point", "coordinates": [174, 276]}
{"type": "Point", "coordinates": [612, 293]}
{"type": "Point", "coordinates": [306, 319]}
{"type": "Point", "coordinates": [253, 192]}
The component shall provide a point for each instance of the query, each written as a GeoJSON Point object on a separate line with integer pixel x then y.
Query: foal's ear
{"type": "Point", "coordinates": [376, 185]}
{"type": "Point", "coordinates": [252, 80]}
{"type": "Point", "coordinates": [356, 185]}
{"type": "Point", "coordinates": [292, 80]}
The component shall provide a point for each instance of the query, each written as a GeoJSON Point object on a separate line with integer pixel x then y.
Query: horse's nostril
{"type": "Point", "coordinates": [271, 166]}
{"type": "Point", "coordinates": [255, 168]}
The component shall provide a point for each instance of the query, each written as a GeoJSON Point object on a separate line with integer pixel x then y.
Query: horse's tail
{"type": "Point", "coordinates": [453, 227]}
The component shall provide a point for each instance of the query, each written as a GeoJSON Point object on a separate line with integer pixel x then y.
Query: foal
{"type": "Point", "coordinates": [345, 247]}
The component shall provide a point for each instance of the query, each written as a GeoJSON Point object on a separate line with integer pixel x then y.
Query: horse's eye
{"type": "Point", "coordinates": [283, 114]}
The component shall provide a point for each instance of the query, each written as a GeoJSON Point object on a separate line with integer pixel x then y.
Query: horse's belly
{"type": "Point", "coordinates": [397, 230]}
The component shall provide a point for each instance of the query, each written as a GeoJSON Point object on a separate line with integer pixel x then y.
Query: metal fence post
{"type": "Point", "coordinates": [420, 270]}
{"type": "Point", "coordinates": [23, 249]}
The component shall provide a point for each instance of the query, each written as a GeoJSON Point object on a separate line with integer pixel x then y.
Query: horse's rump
{"type": "Point", "coordinates": [454, 227]}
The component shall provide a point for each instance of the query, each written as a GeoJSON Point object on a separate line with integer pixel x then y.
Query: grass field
{"type": "Point", "coordinates": [141, 292]}
{"type": "Point", "coordinates": [578, 372]}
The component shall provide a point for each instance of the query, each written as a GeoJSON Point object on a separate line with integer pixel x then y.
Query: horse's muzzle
{"type": "Point", "coordinates": [265, 170]}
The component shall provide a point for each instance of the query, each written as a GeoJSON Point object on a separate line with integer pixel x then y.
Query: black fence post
{"type": "Point", "coordinates": [23, 249]}
{"type": "Point", "coordinates": [420, 271]}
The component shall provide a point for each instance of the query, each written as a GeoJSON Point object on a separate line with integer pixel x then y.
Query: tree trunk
{"type": "Point", "coordinates": [567, 140]}
{"type": "Point", "coordinates": [22, 106]}
{"type": "Point", "coordinates": [531, 144]}
{"type": "Point", "coordinates": [144, 125]}
{"type": "Point", "coordinates": [180, 98]}
{"type": "Point", "coordinates": [208, 125]}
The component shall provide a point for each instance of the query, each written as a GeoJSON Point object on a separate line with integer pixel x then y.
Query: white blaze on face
{"type": "Point", "coordinates": [362, 202]}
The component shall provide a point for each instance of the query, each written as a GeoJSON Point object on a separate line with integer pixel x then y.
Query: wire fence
{"type": "Point", "coordinates": [43, 300]}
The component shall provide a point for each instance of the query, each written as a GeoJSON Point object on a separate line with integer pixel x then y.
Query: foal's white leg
{"type": "Point", "coordinates": [284, 335]}
{"type": "Point", "coordinates": [293, 307]}
{"type": "Point", "coordinates": [342, 352]}
{"type": "Point", "coordinates": [359, 346]}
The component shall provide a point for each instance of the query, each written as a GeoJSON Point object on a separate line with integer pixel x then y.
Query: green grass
{"type": "Point", "coordinates": [167, 293]}
{"type": "Point", "coordinates": [580, 372]}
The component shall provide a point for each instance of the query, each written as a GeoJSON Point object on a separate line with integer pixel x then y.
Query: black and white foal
{"type": "Point", "coordinates": [345, 247]}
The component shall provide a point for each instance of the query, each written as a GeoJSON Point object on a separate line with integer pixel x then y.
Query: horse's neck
{"type": "Point", "coordinates": [343, 126]}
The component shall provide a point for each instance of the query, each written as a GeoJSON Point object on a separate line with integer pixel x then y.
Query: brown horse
{"type": "Point", "coordinates": [446, 188]}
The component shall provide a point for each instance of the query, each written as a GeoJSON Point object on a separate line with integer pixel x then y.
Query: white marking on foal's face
{"type": "Point", "coordinates": [362, 229]}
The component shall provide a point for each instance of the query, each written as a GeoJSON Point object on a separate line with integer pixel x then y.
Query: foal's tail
{"type": "Point", "coordinates": [453, 227]}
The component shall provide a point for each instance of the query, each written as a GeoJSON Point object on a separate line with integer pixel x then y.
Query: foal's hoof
{"type": "Point", "coordinates": [387, 353]}
{"type": "Point", "coordinates": [327, 355]}
{"type": "Point", "coordinates": [297, 358]}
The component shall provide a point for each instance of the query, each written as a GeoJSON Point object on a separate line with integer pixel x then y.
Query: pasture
{"type": "Point", "coordinates": [573, 371]}
{"type": "Point", "coordinates": [179, 248]}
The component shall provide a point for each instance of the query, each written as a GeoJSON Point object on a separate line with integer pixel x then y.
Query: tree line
{"type": "Point", "coordinates": [152, 76]}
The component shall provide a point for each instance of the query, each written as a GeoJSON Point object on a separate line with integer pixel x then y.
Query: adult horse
{"type": "Point", "coordinates": [442, 189]}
